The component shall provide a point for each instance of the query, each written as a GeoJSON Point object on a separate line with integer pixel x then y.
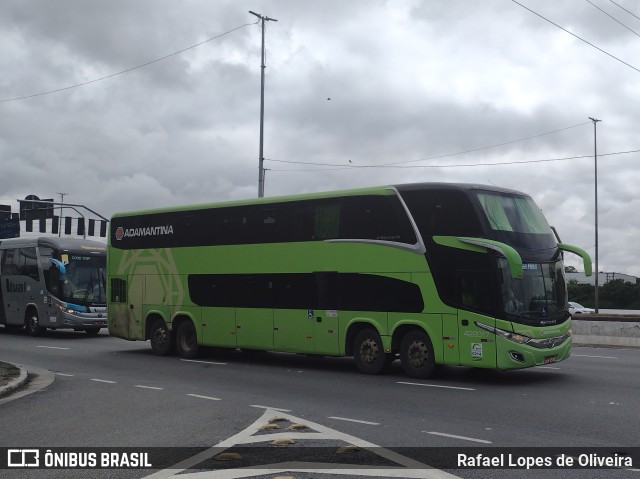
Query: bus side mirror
{"type": "Point", "coordinates": [59, 267]}
{"type": "Point", "coordinates": [586, 259]}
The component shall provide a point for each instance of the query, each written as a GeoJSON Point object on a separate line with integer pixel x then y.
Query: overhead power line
{"type": "Point", "coordinates": [25, 97]}
{"type": "Point", "coordinates": [629, 12]}
{"type": "Point", "coordinates": [465, 165]}
{"type": "Point", "coordinates": [579, 38]}
{"type": "Point", "coordinates": [613, 18]}
{"type": "Point", "coordinates": [492, 146]}
{"type": "Point", "coordinates": [461, 152]}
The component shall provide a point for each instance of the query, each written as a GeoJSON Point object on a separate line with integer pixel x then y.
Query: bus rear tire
{"type": "Point", "coordinates": [416, 355]}
{"type": "Point", "coordinates": [187, 340]}
{"type": "Point", "coordinates": [368, 352]}
{"type": "Point", "coordinates": [32, 324]}
{"type": "Point", "coordinates": [161, 339]}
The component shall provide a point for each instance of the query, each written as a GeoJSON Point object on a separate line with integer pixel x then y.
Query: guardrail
{"type": "Point", "coordinates": [621, 330]}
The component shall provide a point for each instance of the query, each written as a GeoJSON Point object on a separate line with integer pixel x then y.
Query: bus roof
{"type": "Point", "coordinates": [376, 190]}
{"type": "Point", "coordinates": [64, 244]}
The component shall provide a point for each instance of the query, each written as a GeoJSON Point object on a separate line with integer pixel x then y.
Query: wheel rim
{"type": "Point", "coordinates": [369, 351]}
{"type": "Point", "coordinates": [160, 337]}
{"type": "Point", "coordinates": [187, 340]}
{"type": "Point", "coordinates": [33, 323]}
{"type": "Point", "coordinates": [418, 354]}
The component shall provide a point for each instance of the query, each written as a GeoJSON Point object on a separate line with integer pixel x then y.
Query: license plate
{"type": "Point", "coordinates": [549, 359]}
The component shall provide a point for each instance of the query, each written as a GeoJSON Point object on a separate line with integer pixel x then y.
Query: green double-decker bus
{"type": "Point", "coordinates": [431, 273]}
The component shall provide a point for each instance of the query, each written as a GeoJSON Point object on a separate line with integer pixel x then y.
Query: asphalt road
{"type": "Point", "coordinates": [112, 393]}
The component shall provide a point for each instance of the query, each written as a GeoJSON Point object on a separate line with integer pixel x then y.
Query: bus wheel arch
{"type": "Point", "coordinates": [32, 322]}
{"type": "Point", "coordinates": [162, 341]}
{"type": "Point", "coordinates": [365, 344]}
{"type": "Point", "coordinates": [186, 337]}
{"type": "Point", "coordinates": [416, 352]}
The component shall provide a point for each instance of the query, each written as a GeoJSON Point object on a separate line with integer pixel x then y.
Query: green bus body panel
{"type": "Point", "coordinates": [158, 279]}
{"type": "Point", "coordinates": [219, 327]}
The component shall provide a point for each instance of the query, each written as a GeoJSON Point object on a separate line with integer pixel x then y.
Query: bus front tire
{"type": "Point", "coordinates": [187, 340]}
{"type": "Point", "coordinates": [368, 352]}
{"type": "Point", "coordinates": [161, 338]}
{"type": "Point", "coordinates": [416, 355]}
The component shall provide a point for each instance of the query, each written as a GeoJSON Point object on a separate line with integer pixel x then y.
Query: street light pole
{"type": "Point", "coordinates": [62, 195]}
{"type": "Point", "coordinates": [263, 19]}
{"type": "Point", "coordinates": [595, 159]}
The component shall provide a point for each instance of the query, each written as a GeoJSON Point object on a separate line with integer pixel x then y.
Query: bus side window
{"type": "Point", "coordinates": [326, 220]}
{"type": "Point", "coordinates": [9, 266]}
{"type": "Point", "coordinates": [29, 263]}
{"type": "Point", "coordinates": [118, 290]}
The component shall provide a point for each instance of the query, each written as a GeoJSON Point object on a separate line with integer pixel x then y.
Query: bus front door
{"type": "Point", "coordinates": [477, 345]}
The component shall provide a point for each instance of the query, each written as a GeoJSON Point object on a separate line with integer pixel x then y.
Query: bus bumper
{"type": "Point", "coordinates": [511, 355]}
{"type": "Point", "coordinates": [81, 321]}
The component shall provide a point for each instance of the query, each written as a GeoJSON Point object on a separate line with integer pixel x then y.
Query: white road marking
{"type": "Point", "coordinates": [204, 397]}
{"type": "Point", "coordinates": [458, 437]}
{"type": "Point", "coordinates": [51, 347]}
{"type": "Point", "coordinates": [354, 420]}
{"type": "Point", "coordinates": [546, 367]}
{"type": "Point", "coordinates": [63, 374]}
{"type": "Point", "coordinates": [203, 362]}
{"type": "Point", "coordinates": [436, 386]}
{"type": "Point", "coordinates": [148, 387]}
{"type": "Point", "coordinates": [403, 466]}
{"type": "Point", "coordinates": [587, 356]}
{"type": "Point", "coordinates": [269, 407]}
{"type": "Point", "coordinates": [103, 381]}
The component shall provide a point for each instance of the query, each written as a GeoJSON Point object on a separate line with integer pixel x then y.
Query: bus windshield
{"type": "Point", "coordinates": [540, 297]}
{"type": "Point", "coordinates": [513, 213]}
{"type": "Point", "coordinates": [83, 281]}
{"type": "Point", "coordinates": [516, 221]}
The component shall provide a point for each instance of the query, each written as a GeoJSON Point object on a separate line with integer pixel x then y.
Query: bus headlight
{"type": "Point", "coordinates": [516, 338]}
{"type": "Point", "coordinates": [72, 308]}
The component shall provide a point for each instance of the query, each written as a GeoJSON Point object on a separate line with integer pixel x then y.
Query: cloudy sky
{"type": "Point", "coordinates": [437, 90]}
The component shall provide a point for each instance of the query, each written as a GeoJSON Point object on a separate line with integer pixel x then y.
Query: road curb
{"type": "Point", "coordinates": [16, 383]}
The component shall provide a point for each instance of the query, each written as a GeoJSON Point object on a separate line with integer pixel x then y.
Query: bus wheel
{"type": "Point", "coordinates": [32, 324]}
{"type": "Point", "coordinates": [161, 339]}
{"type": "Point", "coordinates": [92, 331]}
{"type": "Point", "coordinates": [187, 340]}
{"type": "Point", "coordinates": [416, 354]}
{"type": "Point", "coordinates": [368, 352]}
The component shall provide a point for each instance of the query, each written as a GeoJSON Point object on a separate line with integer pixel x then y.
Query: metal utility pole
{"type": "Point", "coordinates": [62, 195]}
{"type": "Point", "coordinates": [595, 158]}
{"type": "Point", "coordinates": [263, 19]}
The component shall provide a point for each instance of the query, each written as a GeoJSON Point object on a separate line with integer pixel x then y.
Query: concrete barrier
{"type": "Point", "coordinates": [606, 330]}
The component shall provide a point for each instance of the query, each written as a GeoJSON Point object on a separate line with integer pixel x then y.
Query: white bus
{"type": "Point", "coordinates": [53, 283]}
